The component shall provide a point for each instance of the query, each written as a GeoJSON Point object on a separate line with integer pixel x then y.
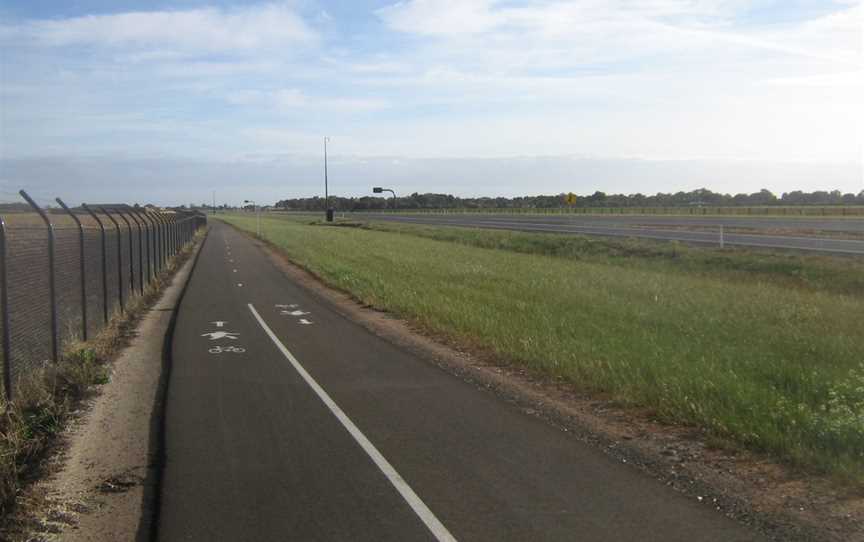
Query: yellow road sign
{"type": "Point", "coordinates": [571, 198]}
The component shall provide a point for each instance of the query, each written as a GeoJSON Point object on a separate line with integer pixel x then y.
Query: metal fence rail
{"type": "Point", "coordinates": [64, 272]}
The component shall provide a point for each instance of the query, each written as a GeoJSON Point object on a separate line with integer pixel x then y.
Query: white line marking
{"type": "Point", "coordinates": [432, 523]}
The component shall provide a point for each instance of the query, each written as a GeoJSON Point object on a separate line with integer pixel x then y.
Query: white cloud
{"type": "Point", "coordinates": [556, 34]}
{"type": "Point", "coordinates": [208, 29]}
{"type": "Point", "coordinates": [657, 79]}
{"type": "Point", "coordinates": [292, 99]}
{"type": "Point", "coordinates": [442, 16]}
{"type": "Point", "coordinates": [453, 17]}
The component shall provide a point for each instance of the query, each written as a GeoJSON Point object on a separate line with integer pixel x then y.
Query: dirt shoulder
{"type": "Point", "coordinates": [780, 502]}
{"type": "Point", "coordinates": [99, 484]}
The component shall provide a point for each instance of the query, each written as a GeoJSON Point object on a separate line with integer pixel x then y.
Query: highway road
{"type": "Point", "coordinates": [285, 420]}
{"type": "Point", "coordinates": [797, 235]}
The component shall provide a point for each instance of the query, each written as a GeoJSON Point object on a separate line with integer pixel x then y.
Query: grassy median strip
{"type": "Point", "coordinates": [808, 270]}
{"type": "Point", "coordinates": [776, 365]}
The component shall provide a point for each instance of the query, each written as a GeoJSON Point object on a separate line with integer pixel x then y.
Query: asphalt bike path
{"type": "Point", "coordinates": [287, 421]}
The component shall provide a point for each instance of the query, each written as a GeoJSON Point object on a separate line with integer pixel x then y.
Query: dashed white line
{"type": "Point", "coordinates": [439, 531]}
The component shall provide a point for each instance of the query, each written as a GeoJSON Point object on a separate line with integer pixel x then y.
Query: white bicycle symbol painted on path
{"type": "Point", "coordinates": [227, 349]}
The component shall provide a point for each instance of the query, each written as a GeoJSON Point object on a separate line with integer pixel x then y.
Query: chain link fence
{"type": "Point", "coordinates": [65, 272]}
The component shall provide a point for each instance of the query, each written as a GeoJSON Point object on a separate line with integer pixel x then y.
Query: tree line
{"type": "Point", "coordinates": [701, 197]}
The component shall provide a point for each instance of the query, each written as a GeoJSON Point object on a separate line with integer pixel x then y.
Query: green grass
{"type": "Point", "coordinates": [795, 269]}
{"type": "Point", "coordinates": [764, 349]}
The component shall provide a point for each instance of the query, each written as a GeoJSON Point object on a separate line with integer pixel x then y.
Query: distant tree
{"type": "Point", "coordinates": [701, 196]}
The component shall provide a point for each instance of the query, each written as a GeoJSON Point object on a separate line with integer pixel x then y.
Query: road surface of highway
{"type": "Point", "coordinates": [286, 421]}
{"type": "Point", "coordinates": [664, 228]}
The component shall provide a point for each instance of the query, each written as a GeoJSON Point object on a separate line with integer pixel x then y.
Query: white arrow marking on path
{"type": "Point", "coordinates": [306, 322]}
{"type": "Point", "coordinates": [215, 335]}
{"type": "Point", "coordinates": [219, 323]}
{"type": "Point", "coordinates": [295, 313]}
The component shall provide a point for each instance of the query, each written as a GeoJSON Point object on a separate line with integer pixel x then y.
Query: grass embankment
{"type": "Point", "coordinates": [760, 348]}
{"type": "Point", "coordinates": [44, 399]}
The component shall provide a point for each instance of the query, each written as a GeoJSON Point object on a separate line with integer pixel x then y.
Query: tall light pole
{"type": "Point", "coordinates": [327, 212]}
{"type": "Point", "coordinates": [257, 215]}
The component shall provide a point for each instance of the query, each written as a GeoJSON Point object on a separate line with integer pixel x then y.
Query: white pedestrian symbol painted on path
{"type": "Point", "coordinates": [294, 313]}
{"type": "Point", "coordinates": [216, 335]}
{"type": "Point", "coordinates": [289, 306]}
{"type": "Point", "coordinates": [306, 322]}
{"type": "Point", "coordinates": [219, 323]}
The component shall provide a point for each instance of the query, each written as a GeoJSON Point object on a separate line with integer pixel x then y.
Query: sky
{"type": "Point", "coordinates": [170, 101]}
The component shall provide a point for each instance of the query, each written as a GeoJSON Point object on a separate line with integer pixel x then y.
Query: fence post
{"type": "Point", "coordinates": [119, 256]}
{"type": "Point", "coordinates": [82, 268]}
{"type": "Point", "coordinates": [157, 243]}
{"type": "Point", "coordinates": [157, 258]}
{"type": "Point", "coordinates": [172, 234]}
{"type": "Point", "coordinates": [154, 254]}
{"type": "Point", "coordinates": [162, 238]}
{"type": "Point", "coordinates": [131, 252]}
{"type": "Point", "coordinates": [140, 250]}
{"type": "Point", "coordinates": [169, 234]}
{"type": "Point", "coordinates": [178, 231]}
{"type": "Point", "coordinates": [164, 224]}
{"type": "Point", "coordinates": [149, 236]}
{"type": "Point", "coordinates": [104, 261]}
{"type": "Point", "coordinates": [167, 250]}
{"type": "Point", "coordinates": [4, 307]}
{"type": "Point", "coordinates": [52, 290]}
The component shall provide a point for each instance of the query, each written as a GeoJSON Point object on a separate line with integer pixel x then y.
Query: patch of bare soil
{"type": "Point", "coordinates": [781, 502]}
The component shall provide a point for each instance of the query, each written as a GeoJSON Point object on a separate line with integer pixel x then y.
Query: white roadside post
{"type": "Point", "coordinates": [722, 240]}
